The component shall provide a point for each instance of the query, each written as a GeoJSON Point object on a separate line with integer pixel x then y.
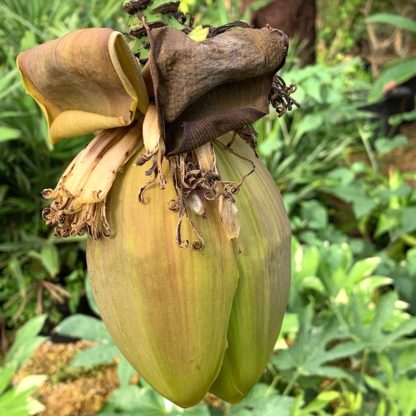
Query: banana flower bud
{"type": "Point", "coordinates": [189, 320]}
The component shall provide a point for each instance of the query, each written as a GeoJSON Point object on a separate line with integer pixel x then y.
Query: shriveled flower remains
{"type": "Point", "coordinates": [186, 97]}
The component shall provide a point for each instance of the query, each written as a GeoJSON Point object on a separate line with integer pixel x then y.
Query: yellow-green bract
{"type": "Point", "coordinates": [194, 321]}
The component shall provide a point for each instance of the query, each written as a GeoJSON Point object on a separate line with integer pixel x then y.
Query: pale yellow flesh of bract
{"type": "Point", "coordinates": [176, 313]}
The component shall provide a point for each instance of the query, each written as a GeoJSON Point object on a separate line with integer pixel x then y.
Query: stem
{"type": "Point", "coordinates": [369, 150]}
{"type": "Point", "coordinates": [363, 369]}
{"type": "Point", "coordinates": [292, 382]}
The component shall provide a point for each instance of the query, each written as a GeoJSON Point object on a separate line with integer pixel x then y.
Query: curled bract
{"type": "Point", "coordinates": [206, 89]}
{"type": "Point", "coordinates": [85, 81]}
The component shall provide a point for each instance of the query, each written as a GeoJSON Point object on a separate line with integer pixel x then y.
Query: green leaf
{"type": "Point", "coordinates": [134, 401]}
{"type": "Point", "coordinates": [407, 327]}
{"type": "Point", "coordinates": [407, 359]}
{"type": "Point", "coordinates": [28, 41]}
{"type": "Point", "coordinates": [309, 355]}
{"type": "Point", "coordinates": [50, 259]}
{"type": "Point", "coordinates": [314, 214]}
{"type": "Point", "coordinates": [90, 295]}
{"type": "Point", "coordinates": [394, 20]}
{"type": "Point", "coordinates": [8, 133]}
{"type": "Point", "coordinates": [308, 123]}
{"type": "Point", "coordinates": [13, 403]}
{"type": "Point", "coordinates": [384, 145]}
{"type": "Point", "coordinates": [86, 327]}
{"type": "Point", "coordinates": [397, 119]}
{"type": "Point", "coordinates": [398, 73]}
{"type": "Point", "coordinates": [6, 374]}
{"type": "Point", "coordinates": [26, 342]}
{"type": "Point", "coordinates": [321, 401]}
{"type": "Point", "coordinates": [386, 221]}
{"type": "Point", "coordinates": [128, 399]}
{"type": "Point", "coordinates": [263, 401]}
{"type": "Point", "coordinates": [345, 349]}
{"type": "Point", "coordinates": [375, 384]}
{"type": "Point", "coordinates": [362, 269]}
{"type": "Point", "coordinates": [408, 220]}
{"type": "Point", "coordinates": [96, 355]}
{"type": "Point", "coordinates": [309, 262]}
{"type": "Point", "coordinates": [125, 371]}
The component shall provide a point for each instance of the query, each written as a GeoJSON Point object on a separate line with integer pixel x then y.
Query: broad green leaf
{"type": "Point", "coordinates": [402, 393]}
{"type": "Point", "coordinates": [361, 269]}
{"type": "Point", "coordinates": [394, 20]}
{"type": "Point", "coordinates": [384, 145]}
{"type": "Point", "coordinates": [397, 119]}
{"type": "Point", "coordinates": [344, 349]}
{"type": "Point", "coordinates": [408, 220]}
{"type": "Point", "coordinates": [398, 73]}
{"type": "Point", "coordinates": [387, 367]}
{"type": "Point", "coordinates": [86, 327]}
{"type": "Point", "coordinates": [8, 133]}
{"type": "Point", "coordinates": [314, 214]}
{"type": "Point", "coordinates": [126, 400]}
{"type": "Point", "coordinates": [135, 401]}
{"type": "Point", "coordinates": [125, 371]}
{"type": "Point", "coordinates": [96, 355]}
{"type": "Point", "coordinates": [263, 401]}
{"type": "Point", "coordinates": [310, 122]}
{"type": "Point", "coordinates": [386, 221]}
{"type": "Point", "coordinates": [310, 355]}
{"type": "Point", "coordinates": [407, 359]}
{"type": "Point", "coordinates": [6, 374]}
{"type": "Point", "coordinates": [407, 327]}
{"type": "Point", "coordinates": [26, 342]}
{"type": "Point", "coordinates": [321, 401]}
{"type": "Point", "coordinates": [28, 41]}
{"type": "Point", "coordinates": [375, 384]}
{"type": "Point", "coordinates": [50, 259]}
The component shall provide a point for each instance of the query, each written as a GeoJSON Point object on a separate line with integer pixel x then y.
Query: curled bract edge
{"type": "Point", "coordinates": [85, 81]}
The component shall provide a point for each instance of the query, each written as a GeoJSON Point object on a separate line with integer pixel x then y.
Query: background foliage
{"type": "Point", "coordinates": [348, 341]}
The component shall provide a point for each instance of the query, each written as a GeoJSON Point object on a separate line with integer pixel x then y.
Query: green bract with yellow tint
{"type": "Point", "coordinates": [191, 321]}
{"type": "Point", "coordinates": [202, 313]}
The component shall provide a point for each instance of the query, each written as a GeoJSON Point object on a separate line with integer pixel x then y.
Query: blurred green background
{"type": "Point", "coordinates": [347, 177]}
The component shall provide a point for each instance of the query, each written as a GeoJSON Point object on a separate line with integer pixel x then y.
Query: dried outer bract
{"type": "Point", "coordinates": [226, 108]}
{"type": "Point", "coordinates": [188, 69]}
{"type": "Point", "coordinates": [140, 31]}
{"type": "Point", "coordinates": [196, 320]}
{"type": "Point", "coordinates": [168, 7]}
{"type": "Point", "coordinates": [135, 6]}
{"type": "Point", "coordinates": [205, 89]}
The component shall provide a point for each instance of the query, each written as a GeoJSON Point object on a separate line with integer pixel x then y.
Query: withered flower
{"type": "Point", "coordinates": [195, 320]}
